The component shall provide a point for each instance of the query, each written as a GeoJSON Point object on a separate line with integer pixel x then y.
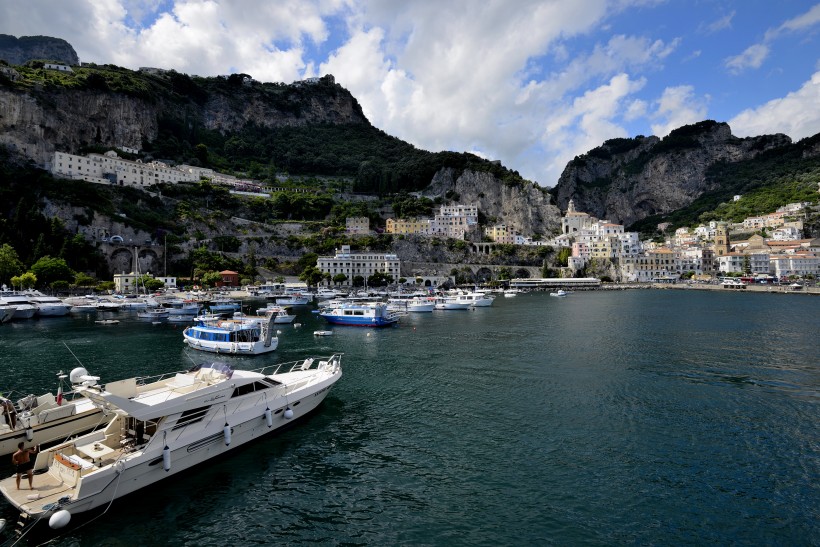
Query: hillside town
{"type": "Point", "coordinates": [704, 252]}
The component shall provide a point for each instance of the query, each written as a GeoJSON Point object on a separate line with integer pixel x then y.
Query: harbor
{"type": "Point", "coordinates": [604, 417]}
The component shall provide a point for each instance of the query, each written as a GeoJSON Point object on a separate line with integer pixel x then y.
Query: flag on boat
{"type": "Point", "coordinates": [60, 395]}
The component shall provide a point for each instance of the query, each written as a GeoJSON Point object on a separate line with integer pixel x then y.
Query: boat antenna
{"type": "Point", "coordinates": [72, 354]}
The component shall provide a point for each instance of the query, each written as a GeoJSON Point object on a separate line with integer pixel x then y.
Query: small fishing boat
{"type": "Point", "coordinates": [154, 314]}
{"type": "Point", "coordinates": [559, 293]}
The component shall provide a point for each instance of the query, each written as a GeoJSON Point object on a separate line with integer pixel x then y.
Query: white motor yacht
{"type": "Point", "coordinates": [23, 308]}
{"type": "Point", "coordinates": [160, 427]}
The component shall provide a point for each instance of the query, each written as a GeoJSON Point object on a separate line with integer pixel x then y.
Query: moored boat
{"type": "Point", "coordinates": [159, 427]}
{"type": "Point", "coordinates": [364, 314]}
{"type": "Point", "coordinates": [232, 336]}
{"type": "Point", "coordinates": [42, 419]}
{"type": "Point", "coordinates": [559, 293]}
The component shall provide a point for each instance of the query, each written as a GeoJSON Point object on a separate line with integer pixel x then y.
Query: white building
{"type": "Point", "coordinates": [109, 168]}
{"type": "Point", "coordinates": [799, 263]}
{"type": "Point", "coordinates": [61, 68]}
{"type": "Point", "coordinates": [125, 283]}
{"type": "Point", "coordinates": [362, 264]}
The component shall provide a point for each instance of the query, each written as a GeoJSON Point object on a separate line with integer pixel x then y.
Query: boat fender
{"type": "Point", "coordinates": [269, 417]}
{"type": "Point", "coordinates": [288, 414]}
{"type": "Point", "coordinates": [166, 458]}
{"type": "Point", "coordinates": [226, 431]}
{"type": "Point", "coordinates": [29, 434]}
{"type": "Point", "coordinates": [2, 524]}
{"type": "Point", "coordinates": [59, 519]}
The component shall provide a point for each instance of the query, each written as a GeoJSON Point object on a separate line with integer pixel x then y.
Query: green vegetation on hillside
{"type": "Point", "coordinates": [772, 179]}
{"type": "Point", "coordinates": [375, 161]}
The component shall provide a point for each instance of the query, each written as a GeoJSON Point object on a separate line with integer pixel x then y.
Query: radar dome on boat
{"type": "Point", "coordinates": [76, 374]}
{"type": "Point", "coordinates": [59, 519]}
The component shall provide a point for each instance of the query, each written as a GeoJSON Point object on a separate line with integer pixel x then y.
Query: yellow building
{"type": "Point", "coordinates": [407, 226]}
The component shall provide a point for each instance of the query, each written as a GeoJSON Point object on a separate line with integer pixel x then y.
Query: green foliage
{"type": "Point", "coordinates": [49, 269]}
{"type": "Point", "coordinates": [210, 278]}
{"type": "Point", "coordinates": [24, 281]}
{"type": "Point", "coordinates": [10, 264]}
{"type": "Point", "coordinates": [778, 176]}
{"type": "Point", "coordinates": [409, 206]}
{"type": "Point", "coordinates": [311, 275]}
{"type": "Point", "coordinates": [562, 258]}
{"type": "Point", "coordinates": [83, 280]}
{"type": "Point", "coordinates": [379, 279]}
{"type": "Point", "coordinates": [227, 244]}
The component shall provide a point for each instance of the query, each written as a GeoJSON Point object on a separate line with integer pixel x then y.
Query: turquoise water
{"type": "Point", "coordinates": [662, 417]}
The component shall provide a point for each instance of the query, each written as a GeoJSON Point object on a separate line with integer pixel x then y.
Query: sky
{"type": "Point", "coordinates": [531, 83]}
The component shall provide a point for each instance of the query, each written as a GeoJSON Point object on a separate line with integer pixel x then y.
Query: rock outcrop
{"type": "Point", "coordinates": [523, 207]}
{"type": "Point", "coordinates": [18, 51]}
{"type": "Point", "coordinates": [626, 180]}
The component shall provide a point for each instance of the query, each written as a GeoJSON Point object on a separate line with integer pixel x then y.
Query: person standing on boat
{"type": "Point", "coordinates": [22, 459]}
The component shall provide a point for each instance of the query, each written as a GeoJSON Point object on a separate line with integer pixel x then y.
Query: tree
{"type": "Point", "coordinates": [563, 256]}
{"type": "Point", "coordinates": [210, 278]}
{"type": "Point", "coordinates": [339, 278]}
{"type": "Point", "coordinates": [311, 275]}
{"type": "Point", "coordinates": [25, 281]}
{"type": "Point", "coordinates": [49, 270]}
{"type": "Point", "coordinates": [358, 281]}
{"type": "Point", "coordinates": [10, 264]}
{"type": "Point", "coordinates": [59, 285]}
{"type": "Point", "coordinates": [84, 280]}
{"type": "Point", "coordinates": [153, 284]}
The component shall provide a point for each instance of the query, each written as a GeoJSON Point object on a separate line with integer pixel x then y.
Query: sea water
{"type": "Point", "coordinates": [651, 417]}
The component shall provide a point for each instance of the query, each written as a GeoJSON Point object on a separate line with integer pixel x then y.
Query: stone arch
{"type": "Point", "coordinates": [483, 274]}
{"type": "Point", "coordinates": [522, 273]}
{"type": "Point", "coordinates": [427, 283]}
{"type": "Point", "coordinates": [148, 261]}
{"type": "Point", "coordinates": [121, 260]}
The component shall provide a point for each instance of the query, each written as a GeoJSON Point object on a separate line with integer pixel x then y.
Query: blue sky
{"type": "Point", "coordinates": [532, 83]}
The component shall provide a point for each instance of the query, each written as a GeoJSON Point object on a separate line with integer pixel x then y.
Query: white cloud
{"type": "Point", "coordinates": [586, 123]}
{"type": "Point", "coordinates": [715, 26]}
{"type": "Point", "coordinates": [801, 22]}
{"type": "Point", "coordinates": [796, 114]}
{"type": "Point", "coordinates": [752, 57]}
{"type": "Point", "coordinates": [677, 106]}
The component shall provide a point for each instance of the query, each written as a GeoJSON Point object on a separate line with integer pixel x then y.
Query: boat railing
{"type": "Point", "coordinates": [310, 363]}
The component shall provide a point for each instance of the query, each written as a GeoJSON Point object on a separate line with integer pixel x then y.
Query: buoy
{"type": "Point", "coordinates": [288, 413]}
{"type": "Point", "coordinates": [29, 434]}
{"type": "Point", "coordinates": [269, 417]}
{"type": "Point", "coordinates": [59, 519]}
{"type": "Point", "coordinates": [166, 458]}
{"type": "Point", "coordinates": [226, 431]}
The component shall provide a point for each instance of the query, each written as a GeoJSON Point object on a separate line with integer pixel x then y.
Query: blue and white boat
{"type": "Point", "coordinates": [231, 336]}
{"type": "Point", "coordinates": [360, 314]}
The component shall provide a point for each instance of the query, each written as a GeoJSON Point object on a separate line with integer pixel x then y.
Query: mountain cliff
{"type": "Point", "coordinates": [627, 180]}
{"type": "Point", "coordinates": [18, 51]}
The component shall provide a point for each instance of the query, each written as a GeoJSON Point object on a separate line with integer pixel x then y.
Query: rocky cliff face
{"type": "Point", "coordinates": [35, 125]}
{"type": "Point", "coordinates": [37, 122]}
{"type": "Point", "coordinates": [525, 208]}
{"type": "Point", "coordinates": [626, 180]}
{"type": "Point", "coordinates": [18, 51]}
